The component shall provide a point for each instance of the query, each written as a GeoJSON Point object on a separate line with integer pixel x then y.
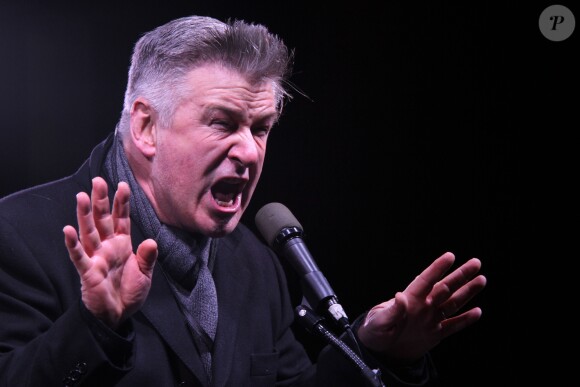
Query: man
{"type": "Point", "coordinates": [173, 289]}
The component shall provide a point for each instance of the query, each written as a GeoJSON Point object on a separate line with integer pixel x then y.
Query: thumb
{"type": "Point", "coordinates": [389, 312]}
{"type": "Point", "coordinates": [383, 323]}
{"type": "Point", "coordinates": [400, 306]}
{"type": "Point", "coordinates": [147, 256]}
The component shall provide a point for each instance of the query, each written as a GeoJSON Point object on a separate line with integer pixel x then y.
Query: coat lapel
{"type": "Point", "coordinates": [163, 313]}
{"type": "Point", "coordinates": [232, 281]}
{"type": "Point", "coordinates": [161, 309]}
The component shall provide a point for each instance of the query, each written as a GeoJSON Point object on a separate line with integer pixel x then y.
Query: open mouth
{"type": "Point", "coordinates": [227, 192]}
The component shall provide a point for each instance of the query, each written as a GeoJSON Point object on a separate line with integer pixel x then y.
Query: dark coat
{"type": "Point", "coordinates": [48, 338]}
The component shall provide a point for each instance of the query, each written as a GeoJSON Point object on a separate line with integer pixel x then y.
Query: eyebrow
{"type": "Point", "coordinates": [272, 118]}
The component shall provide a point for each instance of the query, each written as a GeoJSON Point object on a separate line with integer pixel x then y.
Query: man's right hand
{"type": "Point", "coordinates": [114, 281]}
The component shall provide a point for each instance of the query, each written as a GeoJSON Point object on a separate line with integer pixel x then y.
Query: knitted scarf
{"type": "Point", "coordinates": [185, 258]}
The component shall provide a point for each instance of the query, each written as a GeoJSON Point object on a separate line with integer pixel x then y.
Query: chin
{"type": "Point", "coordinates": [223, 227]}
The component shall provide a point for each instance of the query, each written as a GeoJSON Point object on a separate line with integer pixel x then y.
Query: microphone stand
{"type": "Point", "coordinates": [313, 323]}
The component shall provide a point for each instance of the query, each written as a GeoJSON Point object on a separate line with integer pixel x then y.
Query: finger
{"type": "Point", "coordinates": [455, 324]}
{"type": "Point", "coordinates": [121, 209]}
{"type": "Point", "coordinates": [146, 256]}
{"type": "Point", "coordinates": [88, 234]}
{"type": "Point", "coordinates": [75, 250]}
{"type": "Point", "coordinates": [101, 208]}
{"type": "Point", "coordinates": [422, 285]}
{"type": "Point", "coordinates": [459, 277]}
{"type": "Point", "coordinates": [463, 295]}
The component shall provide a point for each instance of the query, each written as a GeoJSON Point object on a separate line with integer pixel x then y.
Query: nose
{"type": "Point", "coordinates": [245, 149]}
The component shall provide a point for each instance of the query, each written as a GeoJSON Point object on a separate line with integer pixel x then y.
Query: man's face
{"type": "Point", "coordinates": [208, 162]}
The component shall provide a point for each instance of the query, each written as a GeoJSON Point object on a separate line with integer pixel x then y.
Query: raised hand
{"type": "Point", "coordinates": [114, 281]}
{"type": "Point", "coordinates": [427, 311]}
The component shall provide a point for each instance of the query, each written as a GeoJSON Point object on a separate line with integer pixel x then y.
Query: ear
{"type": "Point", "coordinates": [144, 127]}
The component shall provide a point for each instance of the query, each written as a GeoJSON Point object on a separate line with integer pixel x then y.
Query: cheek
{"type": "Point", "coordinates": [259, 166]}
{"type": "Point", "coordinates": [177, 154]}
{"type": "Point", "coordinates": [186, 173]}
{"type": "Point", "coordinates": [177, 169]}
{"type": "Point", "coordinates": [258, 171]}
{"type": "Point", "coordinates": [250, 188]}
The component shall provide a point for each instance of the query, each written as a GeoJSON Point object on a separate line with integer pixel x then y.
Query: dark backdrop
{"type": "Point", "coordinates": [408, 141]}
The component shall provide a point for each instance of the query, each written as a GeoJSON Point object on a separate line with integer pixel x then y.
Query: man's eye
{"type": "Point", "coordinates": [261, 131]}
{"type": "Point", "coordinates": [222, 123]}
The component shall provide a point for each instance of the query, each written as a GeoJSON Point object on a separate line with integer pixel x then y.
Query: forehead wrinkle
{"type": "Point", "coordinates": [216, 86]}
{"type": "Point", "coordinates": [242, 102]}
{"type": "Point", "coordinates": [252, 96]}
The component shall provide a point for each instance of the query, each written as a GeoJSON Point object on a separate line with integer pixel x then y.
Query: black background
{"type": "Point", "coordinates": [425, 127]}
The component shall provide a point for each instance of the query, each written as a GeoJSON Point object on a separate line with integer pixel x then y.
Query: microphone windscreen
{"type": "Point", "coordinates": [272, 218]}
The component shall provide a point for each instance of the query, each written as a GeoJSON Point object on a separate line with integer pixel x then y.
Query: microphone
{"type": "Point", "coordinates": [283, 233]}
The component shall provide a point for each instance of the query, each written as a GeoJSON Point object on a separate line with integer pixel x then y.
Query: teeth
{"type": "Point", "coordinates": [226, 200]}
{"type": "Point", "coordinates": [225, 204]}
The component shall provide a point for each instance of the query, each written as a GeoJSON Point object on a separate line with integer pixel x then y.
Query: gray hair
{"type": "Point", "coordinates": [164, 56]}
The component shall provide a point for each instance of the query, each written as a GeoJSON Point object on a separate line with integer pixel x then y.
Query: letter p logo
{"type": "Point", "coordinates": [557, 20]}
{"type": "Point", "coordinates": [557, 23]}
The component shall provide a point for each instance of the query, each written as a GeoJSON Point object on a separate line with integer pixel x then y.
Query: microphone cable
{"type": "Point", "coordinates": [313, 323]}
